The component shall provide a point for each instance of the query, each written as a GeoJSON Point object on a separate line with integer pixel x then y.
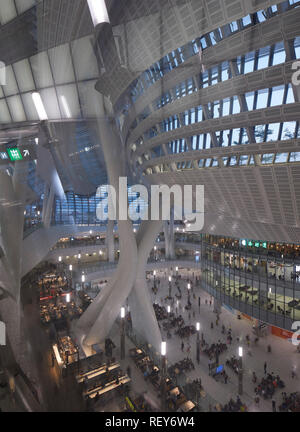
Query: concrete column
{"type": "Point", "coordinates": [96, 322]}
{"type": "Point", "coordinates": [167, 240]}
{"type": "Point", "coordinates": [45, 201]}
{"type": "Point", "coordinates": [12, 205]}
{"type": "Point", "coordinates": [172, 236]}
{"type": "Point", "coordinates": [48, 207]}
{"type": "Point", "coordinates": [142, 313]}
{"type": "Point", "coordinates": [110, 241]}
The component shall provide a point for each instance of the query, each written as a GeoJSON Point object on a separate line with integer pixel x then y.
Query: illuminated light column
{"type": "Point", "coordinates": [169, 312]}
{"type": "Point", "coordinates": [240, 371]}
{"type": "Point", "coordinates": [163, 377]}
{"type": "Point", "coordinates": [189, 295]}
{"type": "Point", "coordinates": [71, 275]}
{"type": "Point", "coordinates": [122, 333]}
{"type": "Point", "coordinates": [198, 342]}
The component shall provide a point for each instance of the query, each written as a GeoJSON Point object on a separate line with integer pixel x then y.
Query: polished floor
{"type": "Point", "coordinates": [282, 360]}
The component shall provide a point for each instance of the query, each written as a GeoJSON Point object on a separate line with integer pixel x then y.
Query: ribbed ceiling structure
{"type": "Point", "coordinates": [202, 92]}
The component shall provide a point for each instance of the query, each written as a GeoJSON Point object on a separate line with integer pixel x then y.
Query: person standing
{"type": "Point", "coordinates": [274, 405]}
{"type": "Point", "coordinates": [265, 368]}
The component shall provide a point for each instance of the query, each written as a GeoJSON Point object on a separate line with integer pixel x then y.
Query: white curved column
{"type": "Point", "coordinates": [97, 321]}
{"type": "Point", "coordinates": [107, 306]}
{"type": "Point", "coordinates": [171, 236]}
{"type": "Point", "coordinates": [12, 195]}
{"type": "Point", "coordinates": [110, 241]}
{"type": "Point", "coordinates": [167, 240]}
{"type": "Point", "coordinates": [141, 308]}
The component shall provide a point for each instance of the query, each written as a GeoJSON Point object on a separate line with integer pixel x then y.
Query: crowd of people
{"type": "Point", "coordinates": [234, 406]}
{"type": "Point", "coordinates": [290, 403]}
{"type": "Point", "coordinates": [268, 385]}
{"type": "Point", "coordinates": [185, 365]}
{"type": "Point", "coordinates": [214, 350]}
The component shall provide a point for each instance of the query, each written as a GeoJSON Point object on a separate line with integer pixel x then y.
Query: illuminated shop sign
{"type": "Point", "coordinates": [257, 244]}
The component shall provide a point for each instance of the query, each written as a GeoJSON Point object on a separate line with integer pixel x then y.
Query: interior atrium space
{"type": "Point", "coordinates": [150, 209]}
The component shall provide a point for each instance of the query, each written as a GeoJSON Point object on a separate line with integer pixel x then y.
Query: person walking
{"type": "Point", "coordinates": [265, 368]}
{"type": "Point", "coordinates": [274, 405]}
{"type": "Point", "coordinates": [182, 346]}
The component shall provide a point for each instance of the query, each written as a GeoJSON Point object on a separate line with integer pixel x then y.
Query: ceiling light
{"type": "Point", "coordinates": [98, 11]}
{"type": "Point", "coordinates": [66, 107]}
{"type": "Point", "coordinates": [39, 106]}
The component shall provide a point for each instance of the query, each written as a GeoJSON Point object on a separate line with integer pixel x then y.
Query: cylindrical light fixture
{"type": "Point", "coordinates": [122, 312]}
{"type": "Point", "coordinates": [198, 326]}
{"type": "Point", "coordinates": [83, 278]}
{"type": "Point", "coordinates": [163, 348]}
{"type": "Point", "coordinates": [70, 267]}
{"type": "Point", "coordinates": [98, 11]}
{"type": "Point", "coordinates": [240, 351]}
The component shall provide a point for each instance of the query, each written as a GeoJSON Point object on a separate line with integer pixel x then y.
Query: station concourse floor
{"type": "Point", "coordinates": [281, 360]}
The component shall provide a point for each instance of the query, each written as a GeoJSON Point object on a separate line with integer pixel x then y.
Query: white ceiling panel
{"type": "Point", "coordinates": [68, 100]}
{"type": "Point", "coordinates": [29, 107]}
{"type": "Point", "coordinates": [11, 87]}
{"type": "Point", "coordinates": [88, 98]}
{"type": "Point", "coordinates": [7, 11]}
{"type": "Point", "coordinates": [85, 62]}
{"type": "Point", "coordinates": [50, 103]}
{"type": "Point", "coordinates": [16, 108]}
{"type": "Point", "coordinates": [4, 113]}
{"type": "Point", "coordinates": [24, 76]}
{"type": "Point", "coordinates": [41, 70]}
{"type": "Point", "coordinates": [61, 63]}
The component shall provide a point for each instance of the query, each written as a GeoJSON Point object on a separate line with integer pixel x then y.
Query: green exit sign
{"type": "Point", "coordinates": [14, 154]}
